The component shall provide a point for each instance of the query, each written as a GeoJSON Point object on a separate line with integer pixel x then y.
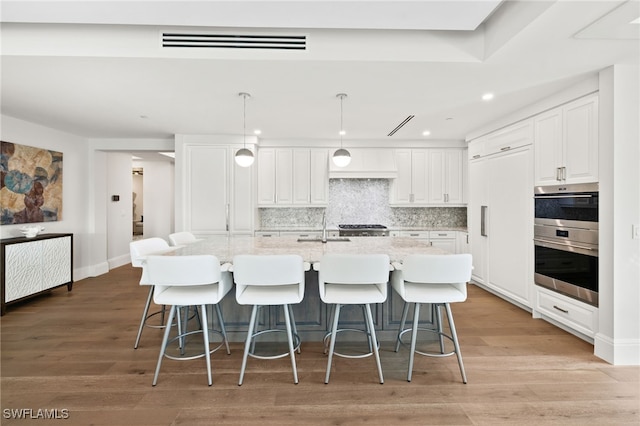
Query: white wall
{"type": "Point", "coordinates": [159, 190]}
{"type": "Point", "coordinates": [119, 213]}
{"type": "Point", "coordinates": [76, 177]}
{"type": "Point", "coordinates": [618, 339]}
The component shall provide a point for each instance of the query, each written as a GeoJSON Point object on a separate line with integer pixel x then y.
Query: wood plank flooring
{"type": "Point", "coordinates": [73, 352]}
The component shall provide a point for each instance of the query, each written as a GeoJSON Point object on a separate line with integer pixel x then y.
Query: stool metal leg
{"type": "Point", "coordinates": [405, 311]}
{"type": "Point", "coordinates": [287, 319]}
{"type": "Point", "coordinates": [163, 347]}
{"type": "Point", "coordinates": [247, 344]}
{"type": "Point", "coordinates": [145, 312]}
{"type": "Point", "coordinates": [456, 345]}
{"type": "Point", "coordinates": [414, 339]}
{"type": "Point", "coordinates": [293, 323]}
{"type": "Point", "coordinates": [332, 343]}
{"type": "Point", "coordinates": [374, 342]}
{"type": "Point", "coordinates": [205, 336]}
{"type": "Point", "coordinates": [438, 319]}
{"type": "Point", "coordinates": [222, 328]}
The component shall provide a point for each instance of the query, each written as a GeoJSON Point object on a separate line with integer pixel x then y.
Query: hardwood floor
{"type": "Point", "coordinates": [73, 352]}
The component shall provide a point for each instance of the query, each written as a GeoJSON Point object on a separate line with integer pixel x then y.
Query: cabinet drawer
{"type": "Point", "coordinates": [415, 234]}
{"type": "Point", "coordinates": [476, 149]}
{"type": "Point", "coordinates": [267, 234]}
{"type": "Point", "coordinates": [307, 234]}
{"type": "Point", "coordinates": [511, 137]}
{"type": "Point", "coordinates": [440, 235]}
{"type": "Point", "coordinates": [577, 315]}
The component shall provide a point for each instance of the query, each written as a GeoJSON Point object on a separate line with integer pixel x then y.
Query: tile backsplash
{"type": "Point", "coordinates": [363, 201]}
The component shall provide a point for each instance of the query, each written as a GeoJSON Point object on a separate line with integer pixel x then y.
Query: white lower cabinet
{"type": "Point", "coordinates": [445, 240]}
{"type": "Point", "coordinates": [575, 315]}
{"type": "Point", "coordinates": [32, 266]}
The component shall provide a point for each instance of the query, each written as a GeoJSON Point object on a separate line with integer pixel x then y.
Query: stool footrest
{"type": "Point", "coordinates": [432, 354]}
{"type": "Point", "coordinates": [196, 356]}
{"type": "Point", "coordinates": [296, 344]}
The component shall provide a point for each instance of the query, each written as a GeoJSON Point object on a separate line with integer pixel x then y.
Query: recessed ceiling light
{"type": "Point", "coordinates": [168, 154]}
{"type": "Point", "coordinates": [342, 133]}
{"type": "Point", "coordinates": [426, 133]}
{"type": "Point", "coordinates": [134, 157]}
{"type": "Point", "coordinates": [257, 132]}
{"type": "Point", "coordinates": [487, 96]}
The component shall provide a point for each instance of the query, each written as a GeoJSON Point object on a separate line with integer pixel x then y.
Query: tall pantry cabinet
{"type": "Point", "coordinates": [500, 211]}
{"type": "Point", "coordinates": [215, 194]}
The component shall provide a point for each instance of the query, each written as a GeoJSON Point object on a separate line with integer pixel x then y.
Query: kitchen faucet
{"type": "Point", "coordinates": [324, 226]}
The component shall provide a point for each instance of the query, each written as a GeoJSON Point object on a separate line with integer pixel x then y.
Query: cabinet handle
{"type": "Point", "coordinates": [226, 213]}
{"type": "Point", "coordinates": [414, 235]}
{"type": "Point", "coordinates": [505, 148]}
{"type": "Point", "coordinates": [446, 198]}
{"type": "Point", "coordinates": [483, 220]}
{"type": "Point", "coordinates": [560, 309]}
{"type": "Point", "coordinates": [476, 156]}
{"type": "Point", "coordinates": [564, 173]}
{"type": "Point", "coordinates": [558, 173]}
{"type": "Point", "coordinates": [411, 198]}
{"type": "Point", "coordinates": [467, 238]}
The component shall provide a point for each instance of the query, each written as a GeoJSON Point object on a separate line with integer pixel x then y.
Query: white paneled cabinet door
{"type": "Point", "coordinates": [401, 186]}
{"type": "Point", "coordinates": [566, 143]}
{"type": "Point", "coordinates": [319, 185]}
{"type": "Point", "coordinates": [445, 176]}
{"type": "Point", "coordinates": [266, 165]}
{"type": "Point", "coordinates": [284, 176]}
{"type": "Point", "coordinates": [419, 176]}
{"type": "Point", "coordinates": [581, 140]}
{"type": "Point", "coordinates": [510, 227]}
{"type": "Point", "coordinates": [301, 176]}
{"type": "Point", "coordinates": [207, 196]}
{"type": "Point", "coordinates": [242, 193]}
{"type": "Point", "coordinates": [477, 220]}
{"type": "Point", "coordinates": [548, 147]}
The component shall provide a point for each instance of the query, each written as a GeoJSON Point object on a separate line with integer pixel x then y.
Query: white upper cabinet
{"type": "Point", "coordinates": [445, 176]}
{"type": "Point", "coordinates": [292, 177]}
{"type": "Point", "coordinates": [428, 177]}
{"type": "Point", "coordinates": [566, 143]}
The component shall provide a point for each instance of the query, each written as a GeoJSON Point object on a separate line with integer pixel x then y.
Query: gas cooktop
{"type": "Point", "coordinates": [362, 226]}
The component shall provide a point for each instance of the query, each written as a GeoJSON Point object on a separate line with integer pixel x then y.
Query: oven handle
{"type": "Point", "coordinates": [544, 197]}
{"type": "Point", "coordinates": [567, 247]}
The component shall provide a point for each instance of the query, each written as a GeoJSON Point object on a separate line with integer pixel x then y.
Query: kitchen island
{"type": "Point", "coordinates": [311, 315]}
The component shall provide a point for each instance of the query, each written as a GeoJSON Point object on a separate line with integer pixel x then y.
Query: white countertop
{"type": "Point", "coordinates": [225, 248]}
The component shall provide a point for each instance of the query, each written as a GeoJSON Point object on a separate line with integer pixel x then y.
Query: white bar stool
{"type": "Point", "coordinates": [270, 280]}
{"type": "Point", "coordinates": [353, 279]}
{"type": "Point", "coordinates": [183, 281]}
{"type": "Point", "coordinates": [139, 250]}
{"type": "Point", "coordinates": [182, 238]}
{"type": "Point", "coordinates": [438, 280]}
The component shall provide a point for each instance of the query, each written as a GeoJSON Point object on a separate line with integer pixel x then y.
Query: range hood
{"type": "Point", "coordinates": [366, 164]}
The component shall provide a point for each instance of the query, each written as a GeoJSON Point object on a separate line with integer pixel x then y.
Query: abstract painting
{"type": "Point", "coordinates": [30, 184]}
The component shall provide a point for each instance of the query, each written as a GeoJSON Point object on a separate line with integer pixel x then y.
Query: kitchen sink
{"type": "Point", "coordinates": [319, 240]}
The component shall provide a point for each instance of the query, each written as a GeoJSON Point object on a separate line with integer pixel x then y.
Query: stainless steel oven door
{"type": "Point", "coordinates": [570, 269]}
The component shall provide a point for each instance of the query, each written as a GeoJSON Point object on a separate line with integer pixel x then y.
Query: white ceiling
{"type": "Point", "coordinates": [97, 69]}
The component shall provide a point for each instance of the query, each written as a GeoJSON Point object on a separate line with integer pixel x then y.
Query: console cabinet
{"type": "Point", "coordinates": [31, 266]}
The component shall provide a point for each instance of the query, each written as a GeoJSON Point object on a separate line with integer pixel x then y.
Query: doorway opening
{"type": "Point", "coordinates": [138, 206]}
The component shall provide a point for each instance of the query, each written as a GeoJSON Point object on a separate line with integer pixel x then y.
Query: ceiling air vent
{"type": "Point", "coordinates": [399, 126]}
{"type": "Point", "coordinates": [234, 41]}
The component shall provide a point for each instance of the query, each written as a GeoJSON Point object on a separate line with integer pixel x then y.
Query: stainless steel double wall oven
{"type": "Point", "coordinates": [566, 240]}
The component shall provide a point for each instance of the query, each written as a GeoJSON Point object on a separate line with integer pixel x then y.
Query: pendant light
{"type": "Point", "coordinates": [244, 157]}
{"type": "Point", "coordinates": [341, 157]}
